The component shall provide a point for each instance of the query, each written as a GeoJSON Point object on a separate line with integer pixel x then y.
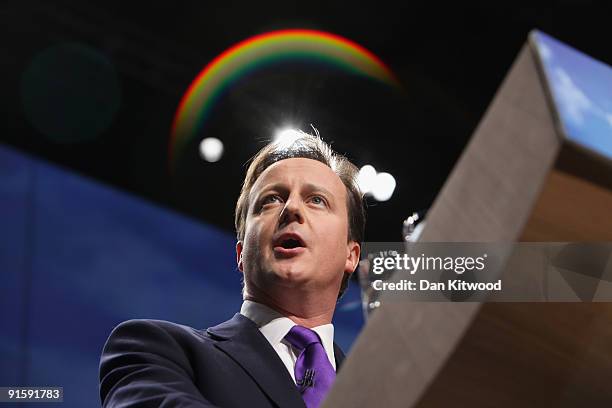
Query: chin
{"type": "Point", "coordinates": [291, 274]}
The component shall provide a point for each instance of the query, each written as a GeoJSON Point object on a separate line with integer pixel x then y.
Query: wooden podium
{"type": "Point", "coordinates": [518, 179]}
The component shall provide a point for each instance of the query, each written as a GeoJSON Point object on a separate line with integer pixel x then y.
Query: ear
{"type": "Point", "coordinates": [353, 251]}
{"type": "Point", "coordinates": [239, 256]}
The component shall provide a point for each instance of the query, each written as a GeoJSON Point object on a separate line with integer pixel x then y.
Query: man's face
{"type": "Point", "coordinates": [296, 231]}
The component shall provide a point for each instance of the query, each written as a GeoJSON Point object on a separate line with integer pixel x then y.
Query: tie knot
{"type": "Point", "coordinates": [301, 337]}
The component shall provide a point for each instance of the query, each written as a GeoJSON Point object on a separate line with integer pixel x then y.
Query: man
{"type": "Point", "coordinates": [299, 221]}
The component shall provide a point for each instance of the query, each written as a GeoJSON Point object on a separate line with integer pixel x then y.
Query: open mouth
{"type": "Point", "coordinates": [289, 244]}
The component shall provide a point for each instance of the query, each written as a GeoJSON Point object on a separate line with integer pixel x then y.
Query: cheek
{"type": "Point", "coordinates": [255, 236]}
{"type": "Point", "coordinates": [336, 236]}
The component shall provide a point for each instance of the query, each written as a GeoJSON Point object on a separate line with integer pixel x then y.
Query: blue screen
{"type": "Point", "coordinates": [581, 88]}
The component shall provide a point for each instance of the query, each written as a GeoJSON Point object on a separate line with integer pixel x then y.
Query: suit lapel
{"type": "Point", "coordinates": [339, 355]}
{"type": "Point", "coordinates": [239, 338]}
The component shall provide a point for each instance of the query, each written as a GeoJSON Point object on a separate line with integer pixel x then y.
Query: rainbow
{"type": "Point", "coordinates": [258, 51]}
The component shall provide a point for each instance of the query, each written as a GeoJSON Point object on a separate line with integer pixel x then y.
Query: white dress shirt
{"type": "Point", "coordinates": [274, 326]}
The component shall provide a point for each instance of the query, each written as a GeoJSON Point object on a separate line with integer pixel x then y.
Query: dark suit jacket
{"type": "Point", "coordinates": [153, 363]}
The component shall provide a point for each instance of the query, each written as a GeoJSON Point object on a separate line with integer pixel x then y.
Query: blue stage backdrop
{"type": "Point", "coordinates": [78, 257]}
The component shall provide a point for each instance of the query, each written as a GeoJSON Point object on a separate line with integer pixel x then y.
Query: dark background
{"type": "Point", "coordinates": [134, 60]}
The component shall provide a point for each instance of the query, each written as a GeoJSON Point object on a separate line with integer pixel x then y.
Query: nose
{"type": "Point", "coordinates": [292, 212]}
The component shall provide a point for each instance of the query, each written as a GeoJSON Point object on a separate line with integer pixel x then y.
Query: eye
{"type": "Point", "coordinates": [270, 199]}
{"type": "Point", "coordinates": [318, 200]}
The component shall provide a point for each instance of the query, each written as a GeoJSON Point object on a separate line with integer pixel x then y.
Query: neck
{"type": "Point", "coordinates": [304, 310]}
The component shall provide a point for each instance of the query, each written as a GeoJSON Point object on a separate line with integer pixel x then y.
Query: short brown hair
{"type": "Point", "coordinates": [304, 145]}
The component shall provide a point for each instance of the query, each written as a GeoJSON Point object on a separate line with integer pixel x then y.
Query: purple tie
{"type": "Point", "coordinates": [314, 373]}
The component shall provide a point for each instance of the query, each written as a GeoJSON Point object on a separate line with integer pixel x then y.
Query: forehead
{"type": "Point", "coordinates": [301, 170]}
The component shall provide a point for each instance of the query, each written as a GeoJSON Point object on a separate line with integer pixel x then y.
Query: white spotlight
{"type": "Point", "coordinates": [383, 187]}
{"type": "Point", "coordinates": [211, 149]}
{"type": "Point", "coordinates": [286, 137]}
{"type": "Point", "coordinates": [366, 178]}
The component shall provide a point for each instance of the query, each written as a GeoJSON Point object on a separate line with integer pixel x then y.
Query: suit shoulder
{"type": "Point", "coordinates": [132, 333]}
{"type": "Point", "coordinates": [152, 324]}
{"type": "Point", "coordinates": [152, 359]}
{"type": "Point", "coordinates": [147, 339]}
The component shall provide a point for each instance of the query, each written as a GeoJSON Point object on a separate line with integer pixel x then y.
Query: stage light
{"type": "Point", "coordinates": [211, 149]}
{"type": "Point", "coordinates": [383, 187]}
{"type": "Point", "coordinates": [286, 137]}
{"type": "Point", "coordinates": [366, 178]}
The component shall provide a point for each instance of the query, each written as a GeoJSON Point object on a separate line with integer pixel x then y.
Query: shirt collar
{"type": "Point", "coordinates": [274, 326]}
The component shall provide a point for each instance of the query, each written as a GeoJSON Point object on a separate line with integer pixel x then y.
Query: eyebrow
{"type": "Point", "coordinates": [314, 187]}
{"type": "Point", "coordinates": [307, 186]}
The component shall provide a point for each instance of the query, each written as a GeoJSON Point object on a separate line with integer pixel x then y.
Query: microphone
{"type": "Point", "coordinates": [308, 380]}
